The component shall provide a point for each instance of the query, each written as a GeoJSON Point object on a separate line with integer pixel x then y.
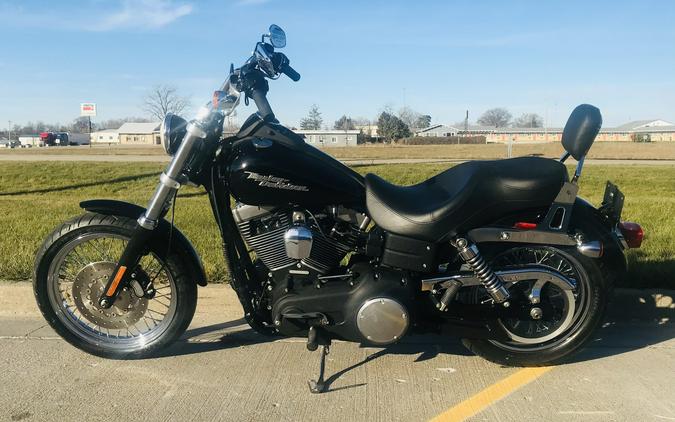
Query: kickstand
{"type": "Point", "coordinates": [319, 386]}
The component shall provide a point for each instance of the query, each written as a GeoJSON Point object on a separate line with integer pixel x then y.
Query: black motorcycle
{"type": "Point", "coordinates": [503, 254]}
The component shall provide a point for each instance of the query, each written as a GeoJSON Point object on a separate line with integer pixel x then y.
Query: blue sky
{"type": "Point", "coordinates": [355, 57]}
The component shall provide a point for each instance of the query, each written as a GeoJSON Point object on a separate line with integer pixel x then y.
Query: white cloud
{"type": "Point", "coordinates": [142, 14]}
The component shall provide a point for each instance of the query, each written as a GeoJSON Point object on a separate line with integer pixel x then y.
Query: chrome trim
{"type": "Point", "coordinates": [382, 320]}
{"type": "Point", "coordinates": [495, 234]}
{"type": "Point", "coordinates": [163, 193]}
{"type": "Point", "coordinates": [168, 181]}
{"type": "Point", "coordinates": [508, 276]}
{"type": "Point", "coordinates": [147, 223]}
{"type": "Point", "coordinates": [592, 249]}
{"type": "Point", "coordinates": [577, 171]}
{"type": "Point", "coordinates": [298, 241]}
{"type": "Point", "coordinates": [473, 258]}
{"type": "Point", "coordinates": [195, 130]}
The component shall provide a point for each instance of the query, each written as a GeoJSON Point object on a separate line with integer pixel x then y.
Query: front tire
{"type": "Point", "coordinates": [74, 263]}
{"type": "Point", "coordinates": [591, 297]}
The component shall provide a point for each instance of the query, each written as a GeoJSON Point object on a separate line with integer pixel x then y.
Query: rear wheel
{"type": "Point", "coordinates": [72, 269]}
{"type": "Point", "coordinates": [561, 323]}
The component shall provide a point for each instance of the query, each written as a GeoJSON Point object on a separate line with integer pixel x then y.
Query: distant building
{"type": "Point", "coordinates": [105, 136]}
{"type": "Point", "coordinates": [439, 131]}
{"type": "Point", "coordinates": [368, 130]}
{"type": "Point", "coordinates": [655, 130]}
{"type": "Point", "coordinates": [331, 138]}
{"type": "Point", "coordinates": [31, 141]}
{"type": "Point", "coordinates": [139, 134]}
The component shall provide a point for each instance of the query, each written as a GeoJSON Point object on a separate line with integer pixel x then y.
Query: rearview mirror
{"type": "Point", "coordinates": [277, 36]}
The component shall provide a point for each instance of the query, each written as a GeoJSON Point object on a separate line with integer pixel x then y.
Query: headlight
{"type": "Point", "coordinates": [172, 132]}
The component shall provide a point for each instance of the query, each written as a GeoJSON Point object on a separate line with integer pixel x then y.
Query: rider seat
{"type": "Point", "coordinates": [463, 197]}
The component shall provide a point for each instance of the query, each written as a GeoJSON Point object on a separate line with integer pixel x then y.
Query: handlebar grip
{"type": "Point", "coordinates": [290, 72]}
{"type": "Point", "coordinates": [264, 108]}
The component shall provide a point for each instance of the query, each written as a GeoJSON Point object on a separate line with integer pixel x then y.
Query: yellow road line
{"type": "Point", "coordinates": [492, 394]}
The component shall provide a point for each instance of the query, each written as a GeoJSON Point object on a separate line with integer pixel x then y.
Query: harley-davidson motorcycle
{"type": "Point", "coordinates": [503, 254]}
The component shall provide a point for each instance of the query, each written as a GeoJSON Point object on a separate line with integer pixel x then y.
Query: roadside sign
{"type": "Point", "coordinates": [88, 109]}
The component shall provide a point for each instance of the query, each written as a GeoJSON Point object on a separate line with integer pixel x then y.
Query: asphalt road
{"type": "Point", "coordinates": [350, 161]}
{"type": "Point", "coordinates": [221, 370]}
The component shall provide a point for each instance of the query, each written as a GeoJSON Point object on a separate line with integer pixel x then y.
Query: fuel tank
{"type": "Point", "coordinates": [274, 166]}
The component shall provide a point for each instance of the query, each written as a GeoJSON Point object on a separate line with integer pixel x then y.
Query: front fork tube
{"type": "Point", "coordinates": [157, 209]}
{"type": "Point", "coordinates": [126, 266]}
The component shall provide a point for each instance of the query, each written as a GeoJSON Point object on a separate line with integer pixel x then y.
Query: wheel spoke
{"type": "Point", "coordinates": [78, 273]}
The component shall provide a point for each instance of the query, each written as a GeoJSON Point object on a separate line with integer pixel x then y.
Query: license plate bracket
{"type": "Point", "coordinates": [612, 203]}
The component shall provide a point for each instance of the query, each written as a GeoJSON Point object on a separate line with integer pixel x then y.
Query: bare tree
{"type": "Point", "coordinates": [529, 120]}
{"type": "Point", "coordinates": [344, 123]}
{"type": "Point", "coordinates": [164, 99]}
{"type": "Point", "coordinates": [414, 119]}
{"type": "Point", "coordinates": [408, 116]}
{"type": "Point", "coordinates": [496, 117]}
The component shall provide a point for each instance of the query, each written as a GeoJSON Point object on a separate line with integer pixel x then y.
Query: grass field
{"type": "Point", "coordinates": [601, 150]}
{"type": "Point", "coordinates": [36, 197]}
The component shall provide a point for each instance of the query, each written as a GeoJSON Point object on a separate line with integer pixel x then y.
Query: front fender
{"type": "Point", "coordinates": [180, 244]}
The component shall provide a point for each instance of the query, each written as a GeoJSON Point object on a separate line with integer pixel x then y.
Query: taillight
{"type": "Point", "coordinates": [525, 226]}
{"type": "Point", "coordinates": [632, 233]}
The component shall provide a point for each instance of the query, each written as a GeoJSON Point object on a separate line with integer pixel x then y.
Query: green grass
{"type": "Point", "coordinates": [36, 196]}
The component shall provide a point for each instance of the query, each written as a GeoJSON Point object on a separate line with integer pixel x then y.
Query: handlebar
{"type": "Point", "coordinates": [290, 72]}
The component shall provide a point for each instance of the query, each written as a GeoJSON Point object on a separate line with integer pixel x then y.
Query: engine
{"type": "Point", "coordinates": [301, 251]}
{"type": "Point", "coordinates": [297, 241]}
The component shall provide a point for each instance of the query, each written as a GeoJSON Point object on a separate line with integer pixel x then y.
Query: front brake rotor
{"type": "Point", "coordinates": [88, 287]}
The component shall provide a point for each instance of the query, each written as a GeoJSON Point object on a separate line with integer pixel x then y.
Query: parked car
{"type": "Point", "coordinates": [5, 143]}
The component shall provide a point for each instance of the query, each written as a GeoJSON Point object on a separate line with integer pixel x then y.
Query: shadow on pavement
{"type": "Point", "coordinates": [633, 322]}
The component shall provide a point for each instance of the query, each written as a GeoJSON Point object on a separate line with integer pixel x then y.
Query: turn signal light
{"type": "Point", "coordinates": [632, 233]}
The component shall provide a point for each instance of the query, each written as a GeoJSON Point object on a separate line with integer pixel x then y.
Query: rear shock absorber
{"type": "Point", "coordinates": [494, 286]}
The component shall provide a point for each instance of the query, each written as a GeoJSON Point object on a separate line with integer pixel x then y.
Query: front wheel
{"type": "Point", "coordinates": [71, 270]}
{"type": "Point", "coordinates": [564, 320]}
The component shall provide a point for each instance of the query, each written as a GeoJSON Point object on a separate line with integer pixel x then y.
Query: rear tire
{"type": "Point", "coordinates": [182, 301]}
{"type": "Point", "coordinates": [560, 348]}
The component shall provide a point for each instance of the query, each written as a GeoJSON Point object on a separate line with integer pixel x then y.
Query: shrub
{"type": "Point", "coordinates": [445, 140]}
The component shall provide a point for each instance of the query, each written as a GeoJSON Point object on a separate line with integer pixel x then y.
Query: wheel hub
{"type": "Point", "coordinates": [550, 317]}
{"type": "Point", "coordinates": [88, 287]}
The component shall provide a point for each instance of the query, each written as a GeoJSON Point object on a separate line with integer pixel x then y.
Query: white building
{"type": "Point", "coordinates": [331, 138]}
{"type": "Point", "coordinates": [105, 136]}
{"type": "Point", "coordinates": [437, 131]}
{"type": "Point", "coordinates": [30, 141]}
{"type": "Point", "coordinates": [139, 133]}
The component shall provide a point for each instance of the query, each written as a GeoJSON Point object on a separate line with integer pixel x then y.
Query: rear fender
{"type": "Point", "coordinates": [180, 245]}
{"type": "Point", "coordinates": [595, 226]}
{"type": "Point", "coordinates": [585, 219]}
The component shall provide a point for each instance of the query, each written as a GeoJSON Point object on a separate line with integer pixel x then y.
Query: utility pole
{"type": "Point", "coordinates": [89, 131]}
{"type": "Point", "coordinates": [9, 130]}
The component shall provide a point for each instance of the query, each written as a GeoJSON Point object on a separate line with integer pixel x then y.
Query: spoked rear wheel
{"type": "Point", "coordinates": [72, 269]}
{"type": "Point", "coordinates": [564, 319]}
